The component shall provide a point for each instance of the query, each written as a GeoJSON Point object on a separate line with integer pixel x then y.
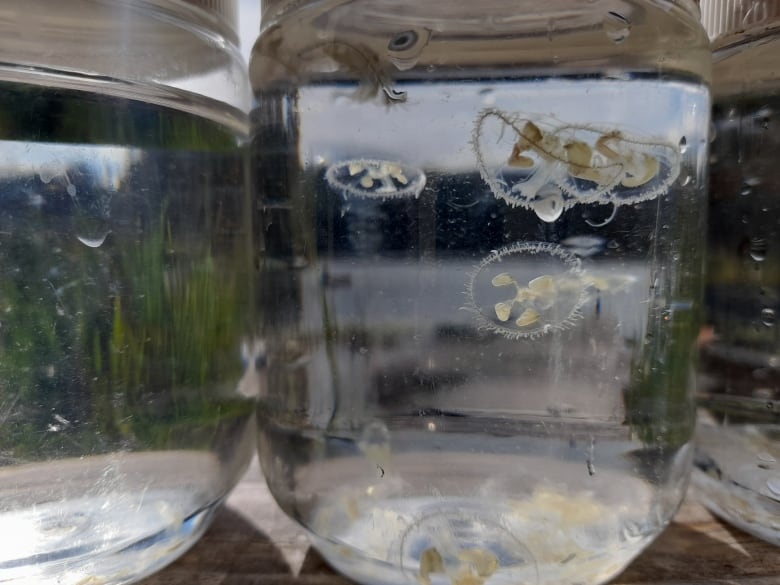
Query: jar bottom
{"type": "Point", "coordinates": [111, 527]}
{"type": "Point", "coordinates": [544, 540]}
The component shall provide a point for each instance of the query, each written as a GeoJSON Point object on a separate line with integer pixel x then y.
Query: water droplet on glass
{"type": "Point", "coordinates": [375, 444]}
{"type": "Point", "coordinates": [763, 116]}
{"type": "Point", "coordinates": [768, 317]}
{"type": "Point", "coordinates": [617, 27]}
{"type": "Point", "coordinates": [93, 242]}
{"type": "Point", "coordinates": [685, 180]}
{"type": "Point", "coordinates": [488, 96]}
{"type": "Point", "coordinates": [773, 485]}
{"type": "Point", "coordinates": [758, 249]}
{"type": "Point", "coordinates": [48, 171]}
{"type": "Point", "coordinates": [548, 204]}
{"type": "Point", "coordinates": [683, 145]}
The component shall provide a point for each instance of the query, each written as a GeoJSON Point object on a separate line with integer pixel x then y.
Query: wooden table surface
{"type": "Point", "coordinates": [251, 542]}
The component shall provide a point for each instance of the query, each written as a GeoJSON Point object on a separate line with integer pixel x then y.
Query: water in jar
{"type": "Point", "coordinates": [126, 407]}
{"type": "Point", "coordinates": [480, 294]}
{"type": "Point", "coordinates": [737, 470]}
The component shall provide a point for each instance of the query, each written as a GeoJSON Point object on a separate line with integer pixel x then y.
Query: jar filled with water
{"type": "Point", "coordinates": [480, 284]}
{"type": "Point", "coordinates": [738, 437]}
{"type": "Point", "coordinates": [126, 411]}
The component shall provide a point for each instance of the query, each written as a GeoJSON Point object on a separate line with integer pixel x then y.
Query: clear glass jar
{"type": "Point", "coordinates": [482, 227]}
{"type": "Point", "coordinates": [126, 412]}
{"type": "Point", "coordinates": [738, 439]}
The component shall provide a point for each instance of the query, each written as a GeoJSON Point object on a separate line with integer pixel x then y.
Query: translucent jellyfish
{"type": "Point", "coordinates": [522, 156]}
{"type": "Point", "coordinates": [527, 290]}
{"type": "Point", "coordinates": [375, 178]}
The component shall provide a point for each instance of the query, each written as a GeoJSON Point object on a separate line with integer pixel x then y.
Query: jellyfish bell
{"type": "Point", "coordinates": [527, 290]}
{"type": "Point", "coordinates": [375, 178]}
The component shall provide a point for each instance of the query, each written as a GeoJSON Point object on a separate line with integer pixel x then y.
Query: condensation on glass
{"type": "Point", "coordinates": [480, 282]}
{"type": "Point", "coordinates": [128, 374]}
{"type": "Point", "coordinates": [737, 474]}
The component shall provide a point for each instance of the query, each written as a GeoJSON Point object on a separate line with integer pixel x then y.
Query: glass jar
{"type": "Point", "coordinates": [126, 408]}
{"type": "Point", "coordinates": [482, 228]}
{"type": "Point", "coordinates": [738, 439]}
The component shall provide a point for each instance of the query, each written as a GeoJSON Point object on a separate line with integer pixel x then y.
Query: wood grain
{"type": "Point", "coordinates": [251, 542]}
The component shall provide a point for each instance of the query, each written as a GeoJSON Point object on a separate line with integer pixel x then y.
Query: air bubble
{"type": "Point", "coordinates": [488, 96]}
{"type": "Point", "coordinates": [375, 444]}
{"type": "Point", "coordinates": [773, 487]}
{"type": "Point", "coordinates": [768, 317]}
{"type": "Point", "coordinates": [548, 204]}
{"type": "Point", "coordinates": [617, 27]}
{"type": "Point", "coordinates": [48, 171]}
{"type": "Point", "coordinates": [405, 48]}
{"type": "Point", "coordinates": [763, 117]}
{"type": "Point", "coordinates": [93, 242]}
{"type": "Point", "coordinates": [758, 249]}
{"type": "Point", "coordinates": [403, 41]}
{"type": "Point", "coordinates": [683, 145]}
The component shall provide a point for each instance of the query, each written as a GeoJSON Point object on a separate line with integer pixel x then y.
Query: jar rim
{"type": "Point", "coordinates": [727, 20]}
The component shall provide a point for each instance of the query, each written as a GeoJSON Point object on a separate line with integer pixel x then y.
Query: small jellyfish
{"type": "Point", "coordinates": [375, 178]}
{"type": "Point", "coordinates": [527, 290]}
{"type": "Point", "coordinates": [520, 155]}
